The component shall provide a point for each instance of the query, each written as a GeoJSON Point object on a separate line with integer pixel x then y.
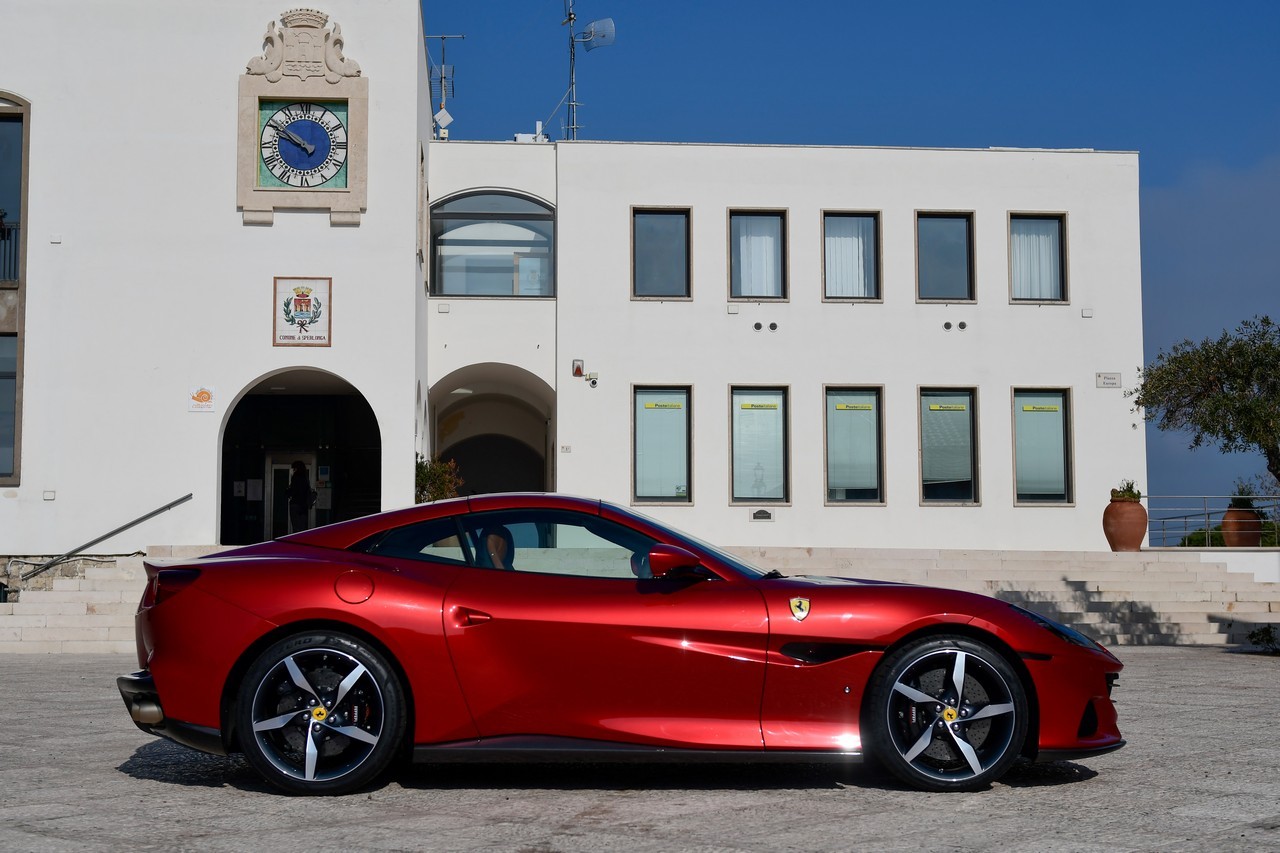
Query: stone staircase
{"type": "Point", "coordinates": [89, 613]}
{"type": "Point", "coordinates": [1147, 598]}
{"type": "Point", "coordinates": [1171, 597]}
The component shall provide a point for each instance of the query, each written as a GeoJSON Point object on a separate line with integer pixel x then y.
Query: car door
{"type": "Point", "coordinates": [562, 639]}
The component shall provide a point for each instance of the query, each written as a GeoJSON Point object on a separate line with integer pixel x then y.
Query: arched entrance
{"type": "Point", "coordinates": [300, 415]}
{"type": "Point", "coordinates": [495, 421]}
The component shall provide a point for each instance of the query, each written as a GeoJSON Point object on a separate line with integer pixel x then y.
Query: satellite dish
{"type": "Point", "coordinates": [598, 34]}
{"type": "Point", "coordinates": [443, 119]}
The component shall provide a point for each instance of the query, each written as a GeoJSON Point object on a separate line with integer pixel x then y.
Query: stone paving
{"type": "Point", "coordinates": [1201, 773]}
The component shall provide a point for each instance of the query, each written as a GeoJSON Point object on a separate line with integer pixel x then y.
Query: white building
{"type": "Point", "coordinates": [777, 345]}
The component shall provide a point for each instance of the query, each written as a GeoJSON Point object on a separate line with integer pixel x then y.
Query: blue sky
{"type": "Point", "coordinates": [1192, 86]}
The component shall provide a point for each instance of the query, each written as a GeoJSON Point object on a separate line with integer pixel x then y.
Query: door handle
{"type": "Point", "coordinates": [464, 617]}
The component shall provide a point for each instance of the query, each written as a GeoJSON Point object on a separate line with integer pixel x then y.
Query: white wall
{"type": "Point", "coordinates": [900, 344]}
{"type": "Point", "coordinates": [142, 280]}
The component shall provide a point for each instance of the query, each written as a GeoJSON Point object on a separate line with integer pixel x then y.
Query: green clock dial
{"type": "Point", "coordinates": [303, 145]}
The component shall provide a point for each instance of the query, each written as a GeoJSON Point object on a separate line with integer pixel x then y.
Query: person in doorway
{"type": "Point", "coordinates": [300, 498]}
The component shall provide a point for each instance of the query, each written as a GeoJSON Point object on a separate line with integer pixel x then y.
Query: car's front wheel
{"type": "Point", "coordinates": [320, 713]}
{"type": "Point", "coordinates": [946, 714]}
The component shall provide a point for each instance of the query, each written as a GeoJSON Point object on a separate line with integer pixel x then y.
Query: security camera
{"type": "Point", "coordinates": [593, 382]}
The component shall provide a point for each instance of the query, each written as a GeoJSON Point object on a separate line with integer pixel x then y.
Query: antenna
{"type": "Point", "coordinates": [599, 33]}
{"type": "Point", "coordinates": [442, 88]}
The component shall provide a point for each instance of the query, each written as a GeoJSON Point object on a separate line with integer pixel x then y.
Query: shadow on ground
{"type": "Point", "coordinates": [171, 763]}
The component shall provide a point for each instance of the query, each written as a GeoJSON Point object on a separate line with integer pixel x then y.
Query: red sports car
{"type": "Point", "coordinates": [545, 627]}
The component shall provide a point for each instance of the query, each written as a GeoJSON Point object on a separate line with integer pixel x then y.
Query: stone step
{"type": "Point", "coordinates": [1208, 639]}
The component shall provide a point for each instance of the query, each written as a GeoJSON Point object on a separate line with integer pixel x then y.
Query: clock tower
{"type": "Point", "coordinates": [302, 140]}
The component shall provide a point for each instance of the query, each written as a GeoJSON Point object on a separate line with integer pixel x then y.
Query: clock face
{"type": "Point", "coordinates": [304, 144]}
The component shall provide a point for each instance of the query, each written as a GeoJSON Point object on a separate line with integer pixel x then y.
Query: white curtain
{"type": "Point", "coordinates": [759, 445]}
{"type": "Point", "coordinates": [1037, 258]}
{"type": "Point", "coordinates": [1039, 424]}
{"type": "Point", "coordinates": [946, 439]}
{"type": "Point", "coordinates": [757, 256]}
{"type": "Point", "coordinates": [662, 444]}
{"type": "Point", "coordinates": [850, 256]}
{"type": "Point", "coordinates": [853, 445]}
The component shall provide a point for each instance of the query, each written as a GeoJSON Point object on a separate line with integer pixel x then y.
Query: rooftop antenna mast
{"type": "Point", "coordinates": [597, 34]}
{"type": "Point", "coordinates": [442, 88]}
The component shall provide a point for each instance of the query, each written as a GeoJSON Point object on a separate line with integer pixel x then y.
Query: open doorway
{"type": "Point", "coordinates": [279, 472]}
{"type": "Point", "coordinates": [496, 421]}
{"type": "Point", "coordinates": [307, 415]}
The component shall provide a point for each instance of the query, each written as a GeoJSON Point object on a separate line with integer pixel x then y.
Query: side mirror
{"type": "Point", "coordinates": [666, 559]}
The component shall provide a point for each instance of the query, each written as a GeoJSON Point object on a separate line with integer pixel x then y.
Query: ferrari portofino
{"type": "Point", "coordinates": [544, 627]}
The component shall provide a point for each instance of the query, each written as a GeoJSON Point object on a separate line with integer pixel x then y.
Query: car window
{"type": "Point", "coordinates": [557, 542]}
{"type": "Point", "coordinates": [434, 541]}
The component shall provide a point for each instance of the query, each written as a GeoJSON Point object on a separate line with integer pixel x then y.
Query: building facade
{"type": "Point", "coordinates": [768, 345]}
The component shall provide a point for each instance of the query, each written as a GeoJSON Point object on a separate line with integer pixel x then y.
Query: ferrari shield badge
{"type": "Point", "coordinates": [799, 608]}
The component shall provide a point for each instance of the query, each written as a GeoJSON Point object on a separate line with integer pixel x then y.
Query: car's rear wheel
{"type": "Point", "coordinates": [946, 714]}
{"type": "Point", "coordinates": [320, 713]}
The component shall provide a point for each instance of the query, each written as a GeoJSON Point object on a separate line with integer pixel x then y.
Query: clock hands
{"type": "Point", "coordinates": [294, 138]}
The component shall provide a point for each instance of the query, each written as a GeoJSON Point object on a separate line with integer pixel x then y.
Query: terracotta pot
{"type": "Point", "coordinates": [1125, 524]}
{"type": "Point", "coordinates": [1241, 528]}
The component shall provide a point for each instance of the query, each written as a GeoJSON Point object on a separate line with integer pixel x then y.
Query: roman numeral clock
{"type": "Point", "coordinates": [303, 124]}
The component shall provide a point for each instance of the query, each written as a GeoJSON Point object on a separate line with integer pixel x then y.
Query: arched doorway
{"type": "Point", "coordinates": [300, 415]}
{"type": "Point", "coordinates": [495, 421]}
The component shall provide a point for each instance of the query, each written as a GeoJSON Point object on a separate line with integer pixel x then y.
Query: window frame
{"type": "Point", "coordinates": [1068, 444]}
{"type": "Point", "coordinates": [883, 498]}
{"type": "Point", "coordinates": [975, 455]}
{"type": "Point", "coordinates": [971, 219]}
{"type": "Point", "coordinates": [785, 391]}
{"type": "Point", "coordinates": [637, 500]}
{"type": "Point", "coordinates": [12, 104]}
{"type": "Point", "coordinates": [878, 245]}
{"type": "Point", "coordinates": [433, 278]}
{"type": "Point", "coordinates": [1061, 218]}
{"type": "Point", "coordinates": [761, 212]}
{"type": "Point", "coordinates": [688, 252]}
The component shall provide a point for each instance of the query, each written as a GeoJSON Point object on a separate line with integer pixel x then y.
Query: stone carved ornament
{"type": "Point", "coordinates": [303, 48]}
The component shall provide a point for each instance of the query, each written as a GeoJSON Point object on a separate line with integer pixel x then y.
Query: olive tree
{"type": "Point", "coordinates": [1224, 391]}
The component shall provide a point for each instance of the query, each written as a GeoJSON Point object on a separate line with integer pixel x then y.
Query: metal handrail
{"type": "Point", "coordinates": [44, 567]}
{"type": "Point", "coordinates": [1173, 518]}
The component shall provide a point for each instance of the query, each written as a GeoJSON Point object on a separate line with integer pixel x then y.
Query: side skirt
{"type": "Point", "coordinates": [542, 750]}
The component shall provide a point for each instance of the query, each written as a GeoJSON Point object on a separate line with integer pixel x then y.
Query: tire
{"type": "Point", "coordinates": [939, 735]}
{"type": "Point", "coordinates": [320, 713]}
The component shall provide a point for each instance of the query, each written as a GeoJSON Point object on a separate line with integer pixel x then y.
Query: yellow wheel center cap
{"type": "Point", "coordinates": [318, 713]}
{"type": "Point", "coordinates": [950, 715]}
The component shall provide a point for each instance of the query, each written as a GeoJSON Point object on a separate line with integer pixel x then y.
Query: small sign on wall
{"type": "Point", "coordinates": [200, 398]}
{"type": "Point", "coordinates": [1107, 380]}
{"type": "Point", "coordinates": [303, 311]}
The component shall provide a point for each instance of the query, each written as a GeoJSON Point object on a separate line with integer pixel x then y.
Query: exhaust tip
{"type": "Point", "coordinates": [146, 711]}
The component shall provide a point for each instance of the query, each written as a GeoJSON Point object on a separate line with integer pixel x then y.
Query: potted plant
{"type": "Point", "coordinates": [1124, 521]}
{"type": "Point", "coordinates": [1242, 523]}
{"type": "Point", "coordinates": [435, 479]}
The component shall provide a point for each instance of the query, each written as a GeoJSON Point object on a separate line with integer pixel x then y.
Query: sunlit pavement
{"type": "Point", "coordinates": [1199, 773]}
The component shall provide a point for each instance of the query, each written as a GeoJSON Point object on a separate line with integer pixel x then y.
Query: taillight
{"type": "Point", "coordinates": [167, 583]}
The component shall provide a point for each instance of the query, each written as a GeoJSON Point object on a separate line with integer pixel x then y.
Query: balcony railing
{"type": "Point", "coordinates": [1195, 521]}
{"type": "Point", "coordinates": [10, 241]}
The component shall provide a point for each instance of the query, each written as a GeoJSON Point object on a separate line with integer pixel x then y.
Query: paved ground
{"type": "Point", "coordinates": [1201, 773]}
